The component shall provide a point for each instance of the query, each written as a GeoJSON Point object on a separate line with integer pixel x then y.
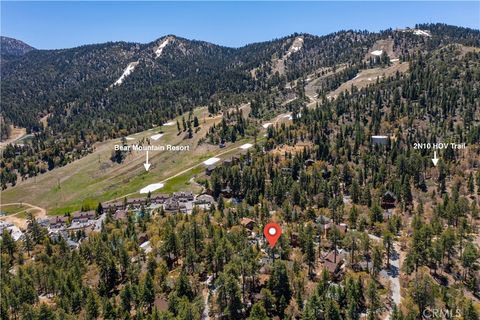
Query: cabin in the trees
{"type": "Point", "coordinates": [323, 220]}
{"type": "Point", "coordinates": [388, 200]}
{"type": "Point", "coordinates": [247, 223]}
{"type": "Point", "coordinates": [309, 162]}
{"type": "Point", "coordinates": [227, 192]}
{"type": "Point", "coordinates": [342, 228]}
{"type": "Point", "coordinates": [333, 262]}
{"type": "Point", "coordinates": [380, 140]}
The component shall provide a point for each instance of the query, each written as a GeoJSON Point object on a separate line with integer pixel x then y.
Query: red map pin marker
{"type": "Point", "coordinates": [272, 232]}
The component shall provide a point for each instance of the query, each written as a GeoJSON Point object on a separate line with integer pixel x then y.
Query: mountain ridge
{"type": "Point", "coordinates": [75, 87]}
{"type": "Point", "coordinates": [13, 47]}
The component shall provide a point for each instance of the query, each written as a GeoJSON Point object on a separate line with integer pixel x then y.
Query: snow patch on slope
{"type": "Point", "coordinates": [246, 146]}
{"type": "Point", "coordinates": [424, 33]}
{"type": "Point", "coordinates": [151, 187]}
{"type": "Point", "coordinates": [418, 32]}
{"type": "Point", "coordinates": [159, 49]}
{"type": "Point", "coordinates": [211, 161]}
{"type": "Point", "coordinates": [128, 70]}
{"type": "Point", "coordinates": [377, 52]}
{"type": "Point", "coordinates": [297, 45]}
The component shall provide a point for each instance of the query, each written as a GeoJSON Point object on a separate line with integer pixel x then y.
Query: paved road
{"type": "Point", "coordinates": [206, 309]}
{"type": "Point", "coordinates": [393, 275]}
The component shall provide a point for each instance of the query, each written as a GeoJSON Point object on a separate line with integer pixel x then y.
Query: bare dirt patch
{"type": "Point", "coordinates": [369, 76]}
{"type": "Point", "coordinates": [18, 218]}
{"type": "Point", "coordinates": [16, 134]}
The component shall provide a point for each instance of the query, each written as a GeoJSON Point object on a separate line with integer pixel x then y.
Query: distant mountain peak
{"type": "Point", "coordinates": [13, 47]}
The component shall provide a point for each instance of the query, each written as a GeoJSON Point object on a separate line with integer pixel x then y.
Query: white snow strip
{"type": "Point", "coordinates": [171, 123]}
{"type": "Point", "coordinates": [157, 136]}
{"type": "Point", "coordinates": [422, 33]}
{"type": "Point", "coordinates": [128, 70]}
{"type": "Point", "coordinates": [211, 161]}
{"type": "Point", "coordinates": [377, 52]}
{"type": "Point", "coordinates": [266, 125]}
{"type": "Point", "coordinates": [162, 46]}
{"type": "Point", "coordinates": [394, 60]}
{"type": "Point", "coordinates": [296, 46]}
{"type": "Point", "coordinates": [130, 138]}
{"type": "Point", "coordinates": [246, 146]}
{"type": "Point", "coordinates": [151, 187]}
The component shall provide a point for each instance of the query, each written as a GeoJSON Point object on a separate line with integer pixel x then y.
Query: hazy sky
{"type": "Point", "coordinates": [49, 25]}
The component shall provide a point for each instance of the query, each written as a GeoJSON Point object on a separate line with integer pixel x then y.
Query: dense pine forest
{"type": "Point", "coordinates": [347, 207]}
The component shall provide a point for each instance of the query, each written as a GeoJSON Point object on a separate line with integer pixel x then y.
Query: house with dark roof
{"type": "Point", "coordinates": [388, 200]}
{"type": "Point", "coordinates": [209, 169]}
{"type": "Point", "coordinates": [333, 262]}
{"type": "Point", "coordinates": [160, 199]}
{"type": "Point", "coordinates": [227, 192]}
{"type": "Point", "coordinates": [342, 228]}
{"type": "Point", "coordinates": [204, 201]}
{"type": "Point", "coordinates": [136, 202]}
{"type": "Point", "coordinates": [173, 205]}
{"type": "Point", "coordinates": [183, 196]}
{"type": "Point", "coordinates": [82, 217]}
{"type": "Point", "coordinates": [120, 215]}
{"type": "Point", "coordinates": [112, 206]}
{"type": "Point", "coordinates": [247, 223]}
{"type": "Point", "coordinates": [58, 222]}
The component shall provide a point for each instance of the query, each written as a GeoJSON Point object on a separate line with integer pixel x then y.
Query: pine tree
{"type": "Point", "coordinates": [148, 292]}
{"type": "Point", "coordinates": [92, 306]}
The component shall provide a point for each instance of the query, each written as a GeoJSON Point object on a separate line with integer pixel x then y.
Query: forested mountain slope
{"type": "Point", "coordinates": [94, 92]}
{"type": "Point", "coordinates": [11, 48]}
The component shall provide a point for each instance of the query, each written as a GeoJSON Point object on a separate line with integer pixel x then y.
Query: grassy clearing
{"type": "Point", "coordinates": [12, 209]}
{"type": "Point", "coordinates": [95, 178]}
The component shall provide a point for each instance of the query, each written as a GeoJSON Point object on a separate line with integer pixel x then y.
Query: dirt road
{"type": "Point", "coordinates": [22, 222]}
